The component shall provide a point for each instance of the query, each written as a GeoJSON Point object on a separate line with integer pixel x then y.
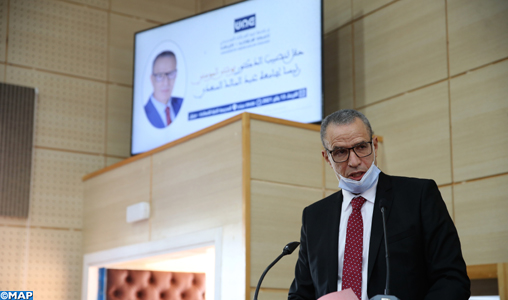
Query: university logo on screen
{"type": "Point", "coordinates": [245, 23]}
{"type": "Point", "coordinates": [27, 295]}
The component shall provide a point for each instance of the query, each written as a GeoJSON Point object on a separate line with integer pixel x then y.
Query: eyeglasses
{"type": "Point", "coordinates": [341, 154]}
{"type": "Point", "coordinates": [160, 76]}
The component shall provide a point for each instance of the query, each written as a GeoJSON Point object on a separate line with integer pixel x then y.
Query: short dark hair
{"type": "Point", "coordinates": [343, 117]}
{"type": "Point", "coordinates": [166, 53]}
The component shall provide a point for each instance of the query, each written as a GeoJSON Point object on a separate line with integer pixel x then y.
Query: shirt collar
{"type": "Point", "coordinates": [161, 108]}
{"type": "Point", "coordinates": [159, 105]}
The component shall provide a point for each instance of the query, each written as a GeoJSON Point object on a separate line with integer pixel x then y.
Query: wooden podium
{"type": "Point", "coordinates": [251, 176]}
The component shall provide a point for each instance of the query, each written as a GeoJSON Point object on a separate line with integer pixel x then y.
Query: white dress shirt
{"type": "Point", "coordinates": [367, 210]}
{"type": "Point", "coordinates": [161, 109]}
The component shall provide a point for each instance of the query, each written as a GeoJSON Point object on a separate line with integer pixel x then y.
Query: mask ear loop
{"type": "Point", "coordinates": [374, 152]}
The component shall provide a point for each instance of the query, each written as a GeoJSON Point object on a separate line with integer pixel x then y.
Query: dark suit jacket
{"type": "Point", "coordinates": [154, 117]}
{"type": "Point", "coordinates": [425, 256]}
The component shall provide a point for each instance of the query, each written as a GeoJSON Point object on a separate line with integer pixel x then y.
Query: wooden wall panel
{"type": "Point", "coordinates": [54, 264]}
{"type": "Point", "coordinates": [502, 277]}
{"type": "Point", "coordinates": [96, 3]}
{"type": "Point", "coordinates": [106, 200]}
{"type": "Point", "coordinates": [363, 7]}
{"type": "Point", "coordinates": [478, 33]}
{"type": "Point", "coordinates": [399, 48]}
{"type": "Point", "coordinates": [198, 184]}
{"type": "Point", "coordinates": [331, 181]}
{"type": "Point", "coordinates": [119, 110]}
{"type": "Point", "coordinates": [270, 294]}
{"type": "Point", "coordinates": [338, 70]}
{"type": "Point", "coordinates": [287, 154]}
{"type": "Point", "coordinates": [3, 29]}
{"type": "Point", "coordinates": [206, 5]}
{"type": "Point", "coordinates": [381, 155]}
{"type": "Point", "coordinates": [57, 196]}
{"type": "Point", "coordinates": [479, 122]}
{"type": "Point", "coordinates": [231, 1]}
{"type": "Point", "coordinates": [330, 192]}
{"type": "Point", "coordinates": [2, 73]}
{"type": "Point", "coordinates": [276, 219]}
{"type": "Point", "coordinates": [335, 14]}
{"type": "Point", "coordinates": [447, 194]}
{"type": "Point", "coordinates": [416, 133]}
{"type": "Point", "coordinates": [121, 46]}
{"type": "Point", "coordinates": [12, 221]}
{"type": "Point", "coordinates": [112, 160]}
{"type": "Point", "coordinates": [47, 262]}
{"type": "Point", "coordinates": [156, 10]}
{"type": "Point", "coordinates": [58, 36]}
{"type": "Point", "coordinates": [331, 82]}
{"type": "Point", "coordinates": [482, 271]}
{"type": "Point", "coordinates": [480, 217]}
{"type": "Point", "coordinates": [70, 111]}
{"type": "Point", "coordinates": [14, 248]}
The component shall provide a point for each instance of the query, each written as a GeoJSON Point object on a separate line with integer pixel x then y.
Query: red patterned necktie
{"type": "Point", "coordinates": [168, 116]}
{"type": "Point", "coordinates": [352, 269]}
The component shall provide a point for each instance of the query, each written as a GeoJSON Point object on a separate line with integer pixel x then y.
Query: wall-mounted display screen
{"type": "Point", "coordinates": [258, 56]}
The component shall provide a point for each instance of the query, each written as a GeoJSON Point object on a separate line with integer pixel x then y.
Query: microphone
{"type": "Point", "coordinates": [386, 295]}
{"type": "Point", "coordinates": [288, 249]}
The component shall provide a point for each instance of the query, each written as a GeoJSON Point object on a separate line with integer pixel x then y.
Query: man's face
{"type": "Point", "coordinates": [347, 136]}
{"type": "Point", "coordinates": [163, 69]}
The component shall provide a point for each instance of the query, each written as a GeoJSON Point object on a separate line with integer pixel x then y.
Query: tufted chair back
{"type": "Point", "coordinates": [154, 285]}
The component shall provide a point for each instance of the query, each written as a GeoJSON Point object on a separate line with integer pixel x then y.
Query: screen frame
{"type": "Point", "coordinates": [206, 12]}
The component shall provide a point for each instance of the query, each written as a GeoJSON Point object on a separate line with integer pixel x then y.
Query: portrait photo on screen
{"type": "Point", "coordinates": [162, 107]}
{"type": "Point", "coordinates": [163, 89]}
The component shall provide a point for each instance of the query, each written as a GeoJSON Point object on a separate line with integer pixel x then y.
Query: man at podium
{"type": "Point", "coordinates": [342, 240]}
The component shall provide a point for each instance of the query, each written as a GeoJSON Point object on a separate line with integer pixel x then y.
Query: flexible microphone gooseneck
{"type": "Point", "coordinates": [387, 256]}
{"type": "Point", "coordinates": [288, 249]}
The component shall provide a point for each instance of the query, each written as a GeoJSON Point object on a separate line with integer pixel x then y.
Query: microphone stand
{"type": "Point", "coordinates": [288, 249]}
{"type": "Point", "coordinates": [387, 290]}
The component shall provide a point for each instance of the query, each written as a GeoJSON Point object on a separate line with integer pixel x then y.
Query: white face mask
{"type": "Point", "coordinates": [360, 186]}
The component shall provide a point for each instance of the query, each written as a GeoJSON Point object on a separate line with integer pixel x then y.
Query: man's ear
{"type": "Point", "coordinates": [325, 156]}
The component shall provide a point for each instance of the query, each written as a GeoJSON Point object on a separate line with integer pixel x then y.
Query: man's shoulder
{"type": "Point", "coordinates": [149, 105]}
{"type": "Point", "coordinates": [404, 184]}
{"type": "Point", "coordinates": [176, 101]}
{"type": "Point", "coordinates": [327, 202]}
{"type": "Point", "coordinates": [398, 180]}
{"type": "Point", "coordinates": [150, 108]}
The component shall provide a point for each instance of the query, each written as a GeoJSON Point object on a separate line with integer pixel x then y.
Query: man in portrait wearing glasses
{"type": "Point", "coordinates": [342, 239]}
{"type": "Point", "coordinates": [162, 109]}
